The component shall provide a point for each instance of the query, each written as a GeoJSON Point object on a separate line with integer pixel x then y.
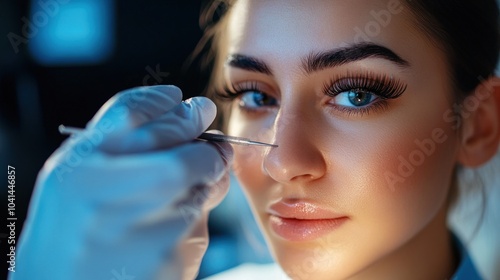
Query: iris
{"type": "Point", "coordinates": [360, 98]}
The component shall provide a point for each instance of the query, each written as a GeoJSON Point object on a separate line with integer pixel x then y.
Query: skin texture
{"type": "Point", "coordinates": [340, 161]}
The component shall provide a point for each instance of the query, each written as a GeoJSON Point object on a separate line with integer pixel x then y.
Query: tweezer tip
{"type": "Point", "coordinates": [263, 144]}
{"type": "Point", "coordinates": [272, 145]}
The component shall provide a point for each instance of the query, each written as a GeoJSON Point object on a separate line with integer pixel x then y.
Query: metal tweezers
{"type": "Point", "coordinates": [210, 137]}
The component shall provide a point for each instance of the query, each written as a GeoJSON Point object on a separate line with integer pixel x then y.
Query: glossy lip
{"type": "Point", "coordinates": [302, 221]}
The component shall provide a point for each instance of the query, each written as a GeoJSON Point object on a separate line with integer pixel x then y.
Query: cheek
{"type": "Point", "coordinates": [247, 165]}
{"type": "Point", "coordinates": [410, 171]}
{"type": "Point", "coordinates": [395, 179]}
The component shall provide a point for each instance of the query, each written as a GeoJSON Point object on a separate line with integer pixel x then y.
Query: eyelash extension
{"type": "Point", "coordinates": [233, 92]}
{"type": "Point", "coordinates": [380, 85]}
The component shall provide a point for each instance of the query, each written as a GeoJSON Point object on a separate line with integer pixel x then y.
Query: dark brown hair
{"type": "Point", "coordinates": [467, 32]}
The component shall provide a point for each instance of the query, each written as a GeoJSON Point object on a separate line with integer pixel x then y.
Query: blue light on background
{"type": "Point", "coordinates": [71, 32]}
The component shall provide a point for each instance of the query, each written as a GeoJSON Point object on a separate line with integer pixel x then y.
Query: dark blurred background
{"type": "Point", "coordinates": [60, 60]}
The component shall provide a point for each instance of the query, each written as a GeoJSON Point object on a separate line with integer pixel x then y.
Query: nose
{"type": "Point", "coordinates": [297, 159]}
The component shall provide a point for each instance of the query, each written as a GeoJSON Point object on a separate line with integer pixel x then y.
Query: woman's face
{"type": "Point", "coordinates": [356, 97]}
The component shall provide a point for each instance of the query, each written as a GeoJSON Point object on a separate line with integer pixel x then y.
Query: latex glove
{"type": "Point", "coordinates": [129, 197]}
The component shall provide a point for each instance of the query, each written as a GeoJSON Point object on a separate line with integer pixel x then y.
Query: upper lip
{"type": "Point", "coordinates": [301, 210]}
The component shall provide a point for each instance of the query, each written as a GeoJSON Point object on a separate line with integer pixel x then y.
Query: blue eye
{"type": "Point", "coordinates": [255, 99]}
{"type": "Point", "coordinates": [354, 98]}
{"type": "Point", "coordinates": [357, 94]}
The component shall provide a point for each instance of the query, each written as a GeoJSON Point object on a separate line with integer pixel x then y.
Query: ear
{"type": "Point", "coordinates": [480, 132]}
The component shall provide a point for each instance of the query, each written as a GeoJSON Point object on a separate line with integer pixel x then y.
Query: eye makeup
{"type": "Point", "coordinates": [380, 85]}
{"type": "Point", "coordinates": [366, 91]}
{"type": "Point", "coordinates": [361, 93]}
{"type": "Point", "coordinates": [237, 89]}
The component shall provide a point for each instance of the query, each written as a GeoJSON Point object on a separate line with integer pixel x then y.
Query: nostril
{"type": "Point", "coordinates": [305, 177]}
{"type": "Point", "coordinates": [295, 160]}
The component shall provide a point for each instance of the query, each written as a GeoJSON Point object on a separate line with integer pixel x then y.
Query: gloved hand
{"type": "Point", "coordinates": [128, 198]}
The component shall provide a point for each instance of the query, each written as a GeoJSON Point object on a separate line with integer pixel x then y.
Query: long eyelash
{"type": "Point", "coordinates": [383, 86]}
{"type": "Point", "coordinates": [225, 94]}
{"type": "Point", "coordinates": [233, 92]}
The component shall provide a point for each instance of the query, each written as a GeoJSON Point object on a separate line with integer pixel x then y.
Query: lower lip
{"type": "Point", "coordinates": [304, 230]}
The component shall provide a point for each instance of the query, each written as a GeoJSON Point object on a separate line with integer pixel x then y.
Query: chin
{"type": "Point", "coordinates": [320, 258]}
{"type": "Point", "coordinates": [310, 261]}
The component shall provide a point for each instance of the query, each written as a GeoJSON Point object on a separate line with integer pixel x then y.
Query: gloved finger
{"type": "Point", "coordinates": [192, 248]}
{"type": "Point", "coordinates": [134, 107]}
{"type": "Point", "coordinates": [183, 123]}
{"type": "Point", "coordinates": [219, 189]}
{"type": "Point", "coordinates": [162, 176]}
{"type": "Point", "coordinates": [217, 192]}
{"type": "Point", "coordinates": [224, 148]}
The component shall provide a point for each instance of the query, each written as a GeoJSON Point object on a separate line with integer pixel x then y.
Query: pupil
{"type": "Point", "coordinates": [262, 100]}
{"type": "Point", "coordinates": [359, 98]}
{"type": "Point", "coordinates": [258, 99]}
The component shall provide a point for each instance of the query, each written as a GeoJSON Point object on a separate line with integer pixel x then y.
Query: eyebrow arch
{"type": "Point", "coordinates": [321, 60]}
{"type": "Point", "coordinates": [248, 63]}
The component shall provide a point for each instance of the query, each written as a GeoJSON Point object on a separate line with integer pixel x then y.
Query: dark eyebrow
{"type": "Point", "coordinates": [319, 61]}
{"type": "Point", "coordinates": [248, 63]}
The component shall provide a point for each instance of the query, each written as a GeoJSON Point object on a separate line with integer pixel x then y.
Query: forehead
{"type": "Point", "coordinates": [297, 27]}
